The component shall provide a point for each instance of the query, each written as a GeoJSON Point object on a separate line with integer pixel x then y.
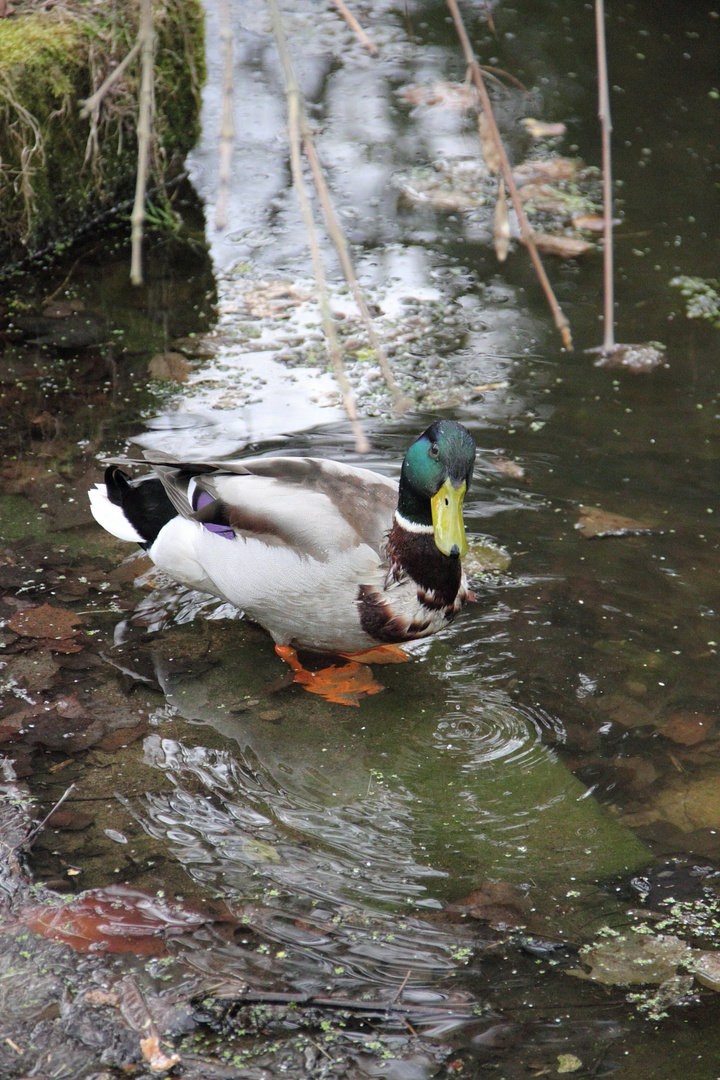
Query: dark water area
{"type": "Point", "coordinates": [542, 777]}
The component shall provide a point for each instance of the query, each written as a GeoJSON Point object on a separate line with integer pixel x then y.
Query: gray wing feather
{"type": "Point", "coordinates": [313, 504]}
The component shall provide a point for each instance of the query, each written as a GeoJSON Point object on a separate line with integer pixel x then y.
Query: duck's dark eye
{"type": "Point", "coordinates": [434, 449]}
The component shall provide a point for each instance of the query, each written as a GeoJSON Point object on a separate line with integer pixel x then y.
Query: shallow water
{"type": "Point", "coordinates": [563, 735]}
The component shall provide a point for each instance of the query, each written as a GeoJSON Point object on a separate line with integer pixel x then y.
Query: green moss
{"type": "Point", "coordinates": [58, 169]}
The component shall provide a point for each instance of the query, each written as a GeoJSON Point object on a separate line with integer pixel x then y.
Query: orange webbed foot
{"type": "Point", "coordinates": [381, 654]}
{"type": "Point", "coordinates": [342, 685]}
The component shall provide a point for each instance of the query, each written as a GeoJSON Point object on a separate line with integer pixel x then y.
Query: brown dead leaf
{"type": "Point", "coordinates": [635, 773]}
{"type": "Point", "coordinates": [155, 1056]}
{"type": "Point", "coordinates": [509, 468]}
{"type": "Point", "coordinates": [32, 671]}
{"type": "Point", "coordinates": [626, 711]}
{"type": "Point", "coordinates": [595, 523]}
{"type": "Point", "coordinates": [488, 145]}
{"type": "Point", "coordinates": [688, 728]}
{"type": "Point", "coordinates": [440, 198]}
{"type": "Point", "coordinates": [169, 367]}
{"type": "Point", "coordinates": [70, 707]}
{"type": "Point", "coordinates": [45, 621]}
{"type": "Point", "coordinates": [496, 902]}
{"type": "Point", "coordinates": [549, 169]}
{"type": "Point", "coordinates": [538, 129]}
{"type": "Point", "coordinates": [591, 222]}
{"type": "Point", "coordinates": [100, 997]}
{"type": "Point", "coordinates": [61, 309]}
{"type": "Point", "coordinates": [502, 224]}
{"type": "Point", "coordinates": [447, 95]}
{"type": "Point", "coordinates": [273, 299]}
{"type": "Point", "coordinates": [688, 801]}
{"type": "Point", "coordinates": [565, 247]}
{"type": "Point", "coordinates": [64, 646]}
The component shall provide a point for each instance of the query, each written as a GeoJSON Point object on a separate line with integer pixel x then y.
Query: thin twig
{"type": "Point", "coordinates": [90, 105]}
{"type": "Point", "coordinates": [356, 27]}
{"type": "Point", "coordinates": [398, 993]}
{"type": "Point", "coordinates": [526, 233]}
{"type": "Point", "coordinates": [606, 131]}
{"type": "Point", "coordinates": [227, 126]}
{"type": "Point", "coordinates": [137, 218]}
{"type": "Point", "coordinates": [295, 114]}
{"type": "Point", "coordinates": [420, 1013]}
{"type": "Point", "coordinates": [38, 828]}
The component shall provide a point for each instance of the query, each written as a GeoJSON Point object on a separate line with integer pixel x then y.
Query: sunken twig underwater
{"type": "Point", "coordinates": [325, 556]}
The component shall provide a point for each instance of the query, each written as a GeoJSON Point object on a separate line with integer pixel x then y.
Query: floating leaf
{"type": "Point", "coordinates": [538, 129]}
{"type": "Point", "coordinates": [550, 169]}
{"type": "Point", "coordinates": [44, 621]}
{"type": "Point", "coordinates": [447, 95]}
{"type": "Point", "coordinates": [258, 851]}
{"type": "Point", "coordinates": [509, 468]}
{"type": "Point", "coordinates": [635, 958]}
{"type": "Point", "coordinates": [565, 247]}
{"type": "Point", "coordinates": [568, 1063]}
{"type": "Point", "coordinates": [591, 222]}
{"type": "Point", "coordinates": [706, 969]}
{"type": "Point", "coordinates": [484, 556]}
{"type": "Point", "coordinates": [597, 523]}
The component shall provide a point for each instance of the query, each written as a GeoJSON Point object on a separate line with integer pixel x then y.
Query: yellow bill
{"type": "Point", "coordinates": [447, 518]}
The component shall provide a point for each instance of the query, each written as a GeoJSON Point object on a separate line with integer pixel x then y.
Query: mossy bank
{"type": "Point", "coordinates": [59, 169]}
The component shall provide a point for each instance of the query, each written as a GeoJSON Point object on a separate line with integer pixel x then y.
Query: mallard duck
{"type": "Point", "coordinates": [325, 556]}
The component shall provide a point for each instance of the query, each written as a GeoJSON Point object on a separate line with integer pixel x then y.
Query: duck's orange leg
{"type": "Point", "coordinates": [342, 685]}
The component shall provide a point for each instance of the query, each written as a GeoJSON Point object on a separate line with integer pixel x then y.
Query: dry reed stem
{"type": "Point", "coordinates": [146, 38]}
{"type": "Point", "coordinates": [526, 233]}
{"type": "Point", "coordinates": [401, 403]}
{"type": "Point", "coordinates": [606, 130]}
{"type": "Point", "coordinates": [90, 105]}
{"type": "Point", "coordinates": [227, 125]}
{"type": "Point", "coordinates": [356, 27]}
{"type": "Point", "coordinates": [295, 125]}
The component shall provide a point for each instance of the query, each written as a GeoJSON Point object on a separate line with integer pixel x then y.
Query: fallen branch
{"type": "Point", "coordinates": [526, 232]}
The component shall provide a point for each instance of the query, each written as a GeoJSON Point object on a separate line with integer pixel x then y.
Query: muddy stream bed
{"type": "Point", "coordinates": [506, 863]}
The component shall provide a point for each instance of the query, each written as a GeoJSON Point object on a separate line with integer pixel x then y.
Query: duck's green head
{"type": "Point", "coordinates": [435, 475]}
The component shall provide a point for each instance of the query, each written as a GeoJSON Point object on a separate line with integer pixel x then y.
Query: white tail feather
{"type": "Point", "coordinates": [111, 516]}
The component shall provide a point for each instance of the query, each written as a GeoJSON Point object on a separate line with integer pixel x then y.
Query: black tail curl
{"type": "Point", "coordinates": [144, 502]}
